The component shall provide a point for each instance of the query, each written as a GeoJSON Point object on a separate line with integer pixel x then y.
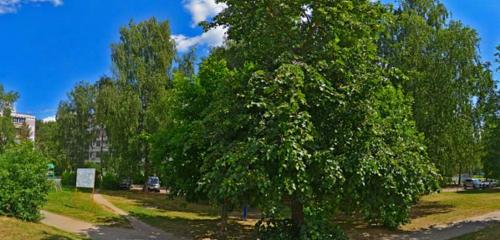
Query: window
{"type": "Point", "coordinates": [19, 120]}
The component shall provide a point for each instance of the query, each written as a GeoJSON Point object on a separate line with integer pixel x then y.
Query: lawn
{"type": "Point", "coordinates": [80, 205]}
{"type": "Point", "coordinates": [193, 221]}
{"type": "Point", "coordinates": [199, 221]}
{"type": "Point", "coordinates": [449, 207]}
{"type": "Point", "coordinates": [437, 209]}
{"type": "Point", "coordinates": [13, 229]}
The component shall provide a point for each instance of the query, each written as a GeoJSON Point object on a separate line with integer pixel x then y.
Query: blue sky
{"type": "Point", "coordinates": [46, 46]}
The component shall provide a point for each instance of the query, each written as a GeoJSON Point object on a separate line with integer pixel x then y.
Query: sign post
{"type": "Point", "coordinates": [85, 178]}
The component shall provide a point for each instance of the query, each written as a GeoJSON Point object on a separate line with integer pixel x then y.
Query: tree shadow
{"type": "Point", "coordinates": [51, 236]}
{"type": "Point", "coordinates": [185, 219]}
{"type": "Point", "coordinates": [199, 228]}
{"type": "Point", "coordinates": [429, 208]}
{"type": "Point", "coordinates": [115, 221]}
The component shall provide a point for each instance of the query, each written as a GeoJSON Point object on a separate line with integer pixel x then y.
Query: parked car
{"type": "Point", "coordinates": [153, 184]}
{"type": "Point", "coordinates": [472, 183]}
{"type": "Point", "coordinates": [489, 183]}
{"type": "Point", "coordinates": [126, 183]}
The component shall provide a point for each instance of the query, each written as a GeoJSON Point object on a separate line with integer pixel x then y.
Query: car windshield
{"type": "Point", "coordinates": [154, 180]}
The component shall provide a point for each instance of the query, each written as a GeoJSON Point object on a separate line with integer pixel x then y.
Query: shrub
{"type": "Point", "coordinates": [23, 181]}
{"type": "Point", "coordinates": [110, 182]}
{"type": "Point", "coordinates": [68, 179]}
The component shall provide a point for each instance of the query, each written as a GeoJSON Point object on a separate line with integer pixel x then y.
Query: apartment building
{"type": "Point", "coordinates": [25, 125]}
{"type": "Point", "coordinates": [98, 147]}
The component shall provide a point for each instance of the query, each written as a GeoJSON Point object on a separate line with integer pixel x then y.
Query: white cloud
{"type": "Point", "coordinates": [11, 6]}
{"type": "Point", "coordinates": [202, 10]}
{"type": "Point", "coordinates": [213, 38]}
{"type": "Point", "coordinates": [49, 119]}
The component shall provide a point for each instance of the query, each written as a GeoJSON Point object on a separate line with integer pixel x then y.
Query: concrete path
{"type": "Point", "coordinates": [139, 231]}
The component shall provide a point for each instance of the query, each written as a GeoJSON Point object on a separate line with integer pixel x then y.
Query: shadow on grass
{"type": "Point", "coordinates": [429, 208]}
{"type": "Point", "coordinates": [198, 228]}
{"type": "Point", "coordinates": [50, 236]}
{"type": "Point", "coordinates": [195, 221]}
{"type": "Point", "coordinates": [357, 228]}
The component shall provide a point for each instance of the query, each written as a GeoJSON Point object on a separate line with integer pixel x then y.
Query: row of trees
{"type": "Point", "coordinates": [318, 107]}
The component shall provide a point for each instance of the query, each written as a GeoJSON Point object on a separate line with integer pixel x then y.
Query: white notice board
{"type": "Point", "coordinates": [85, 177]}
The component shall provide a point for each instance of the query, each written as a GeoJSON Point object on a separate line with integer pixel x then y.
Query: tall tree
{"type": "Point", "coordinates": [300, 113]}
{"type": "Point", "coordinates": [186, 64]}
{"type": "Point", "coordinates": [445, 79]}
{"type": "Point", "coordinates": [142, 60]}
{"type": "Point", "coordinates": [7, 130]}
{"type": "Point", "coordinates": [47, 143]}
{"type": "Point", "coordinates": [491, 161]}
{"type": "Point", "coordinates": [76, 123]}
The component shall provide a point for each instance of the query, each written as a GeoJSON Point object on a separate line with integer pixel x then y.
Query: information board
{"type": "Point", "coordinates": [85, 177]}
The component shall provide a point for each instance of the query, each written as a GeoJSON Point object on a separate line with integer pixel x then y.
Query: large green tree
{"type": "Point", "coordinates": [76, 124]}
{"type": "Point", "coordinates": [491, 161]}
{"type": "Point", "coordinates": [446, 80]}
{"type": "Point", "coordinates": [297, 112]}
{"type": "Point", "coordinates": [48, 144]}
{"type": "Point", "coordinates": [142, 60]}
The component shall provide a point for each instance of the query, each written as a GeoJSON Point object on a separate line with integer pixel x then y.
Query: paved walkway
{"type": "Point", "coordinates": [139, 230]}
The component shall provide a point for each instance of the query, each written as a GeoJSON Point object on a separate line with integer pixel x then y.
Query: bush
{"type": "Point", "coordinates": [23, 181]}
{"type": "Point", "coordinates": [68, 179]}
{"type": "Point", "coordinates": [110, 182]}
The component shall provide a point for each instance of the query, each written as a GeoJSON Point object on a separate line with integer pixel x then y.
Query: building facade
{"type": "Point", "coordinates": [25, 125]}
{"type": "Point", "coordinates": [98, 147]}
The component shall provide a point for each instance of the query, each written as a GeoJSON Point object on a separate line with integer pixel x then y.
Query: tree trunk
{"type": "Point", "coordinates": [223, 223]}
{"type": "Point", "coordinates": [147, 171]}
{"type": "Point", "coordinates": [459, 174]}
{"type": "Point", "coordinates": [297, 216]}
{"type": "Point", "coordinates": [101, 133]}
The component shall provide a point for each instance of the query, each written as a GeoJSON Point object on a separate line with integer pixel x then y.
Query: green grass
{"type": "Point", "coordinates": [449, 207]}
{"type": "Point", "coordinates": [13, 229]}
{"type": "Point", "coordinates": [489, 233]}
{"type": "Point", "coordinates": [80, 205]}
{"type": "Point", "coordinates": [193, 221]}
{"type": "Point", "coordinates": [437, 209]}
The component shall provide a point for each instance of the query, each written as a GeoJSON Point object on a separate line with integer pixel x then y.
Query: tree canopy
{"type": "Point", "coordinates": [297, 112]}
{"type": "Point", "coordinates": [446, 78]}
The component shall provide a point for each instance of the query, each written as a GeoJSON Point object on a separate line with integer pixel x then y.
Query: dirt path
{"type": "Point", "coordinates": [139, 230]}
{"type": "Point", "coordinates": [449, 231]}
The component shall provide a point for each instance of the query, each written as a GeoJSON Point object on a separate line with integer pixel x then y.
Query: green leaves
{"type": "Point", "coordinates": [298, 112]}
{"type": "Point", "coordinates": [23, 176]}
{"type": "Point", "coordinates": [7, 130]}
{"type": "Point", "coordinates": [76, 123]}
{"type": "Point", "coordinates": [445, 75]}
{"type": "Point", "coordinates": [129, 106]}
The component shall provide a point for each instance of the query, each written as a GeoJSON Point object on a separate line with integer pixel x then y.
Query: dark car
{"type": "Point", "coordinates": [126, 184]}
{"type": "Point", "coordinates": [153, 184]}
